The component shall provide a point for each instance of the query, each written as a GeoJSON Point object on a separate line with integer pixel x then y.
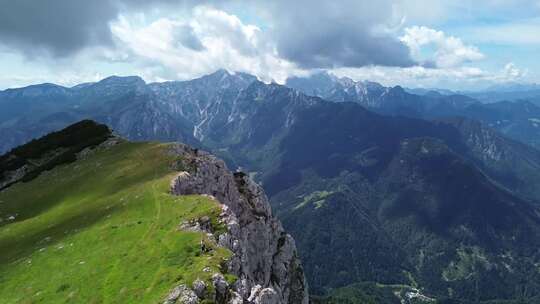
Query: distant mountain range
{"type": "Point", "coordinates": [184, 109]}
{"type": "Point", "coordinates": [161, 111]}
{"type": "Point", "coordinates": [515, 118]}
{"type": "Point", "coordinates": [532, 95]}
{"type": "Point", "coordinates": [433, 195]}
{"type": "Point", "coordinates": [510, 91]}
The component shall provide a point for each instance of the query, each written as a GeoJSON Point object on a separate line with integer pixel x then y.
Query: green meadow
{"type": "Point", "coordinates": [102, 230]}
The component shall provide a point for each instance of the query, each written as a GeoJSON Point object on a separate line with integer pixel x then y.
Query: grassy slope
{"type": "Point", "coordinates": [101, 230]}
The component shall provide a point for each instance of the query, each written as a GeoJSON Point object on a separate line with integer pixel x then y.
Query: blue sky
{"type": "Point", "coordinates": [416, 43]}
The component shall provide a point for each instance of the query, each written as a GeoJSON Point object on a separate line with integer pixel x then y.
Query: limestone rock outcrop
{"type": "Point", "coordinates": [264, 258]}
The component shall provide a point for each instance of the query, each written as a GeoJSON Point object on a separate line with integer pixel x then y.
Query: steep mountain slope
{"type": "Point", "coordinates": [384, 100]}
{"type": "Point", "coordinates": [219, 111]}
{"type": "Point", "coordinates": [192, 111]}
{"type": "Point", "coordinates": [166, 111]}
{"type": "Point", "coordinates": [264, 114]}
{"type": "Point", "coordinates": [328, 167]}
{"type": "Point", "coordinates": [139, 222]}
{"type": "Point", "coordinates": [518, 120]}
{"type": "Point", "coordinates": [397, 206]}
{"type": "Point", "coordinates": [336, 89]}
{"type": "Point", "coordinates": [428, 209]}
{"type": "Point", "coordinates": [513, 165]}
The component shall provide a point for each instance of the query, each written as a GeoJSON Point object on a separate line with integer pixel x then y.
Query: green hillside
{"type": "Point", "coordinates": [102, 230]}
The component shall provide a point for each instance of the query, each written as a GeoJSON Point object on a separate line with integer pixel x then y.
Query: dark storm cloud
{"type": "Point", "coordinates": [343, 49]}
{"type": "Point", "coordinates": [60, 26]}
{"type": "Point", "coordinates": [347, 33]}
{"type": "Point", "coordinates": [312, 34]}
{"type": "Point", "coordinates": [63, 27]}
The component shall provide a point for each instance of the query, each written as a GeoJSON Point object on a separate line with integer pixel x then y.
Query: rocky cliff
{"type": "Point", "coordinates": [264, 257]}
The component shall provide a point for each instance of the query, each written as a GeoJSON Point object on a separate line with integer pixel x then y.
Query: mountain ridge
{"type": "Point", "coordinates": [335, 176]}
{"type": "Point", "coordinates": [514, 119]}
{"type": "Point", "coordinates": [157, 222]}
{"type": "Point", "coordinates": [235, 114]}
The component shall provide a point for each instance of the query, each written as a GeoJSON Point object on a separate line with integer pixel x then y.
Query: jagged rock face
{"type": "Point", "coordinates": [264, 256]}
{"type": "Point", "coordinates": [330, 87]}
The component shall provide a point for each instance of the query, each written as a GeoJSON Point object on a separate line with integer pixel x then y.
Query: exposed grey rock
{"type": "Point", "coordinates": [236, 298]}
{"type": "Point", "coordinates": [193, 226]}
{"type": "Point", "coordinates": [265, 296]}
{"type": "Point", "coordinates": [202, 224]}
{"type": "Point", "coordinates": [199, 287]}
{"type": "Point", "coordinates": [205, 223]}
{"type": "Point", "coordinates": [263, 254]}
{"type": "Point", "coordinates": [181, 295]}
{"type": "Point", "coordinates": [221, 286]}
{"type": "Point", "coordinates": [255, 291]}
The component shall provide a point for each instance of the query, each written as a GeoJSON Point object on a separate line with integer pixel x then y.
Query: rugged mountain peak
{"type": "Point", "coordinates": [216, 77]}
{"type": "Point", "coordinates": [332, 88]}
{"type": "Point", "coordinates": [397, 90]}
{"type": "Point", "coordinates": [329, 86]}
{"type": "Point", "coordinates": [223, 79]}
{"type": "Point", "coordinates": [320, 76]}
{"type": "Point", "coordinates": [373, 85]}
{"type": "Point", "coordinates": [219, 73]}
{"type": "Point", "coordinates": [121, 80]}
{"type": "Point", "coordinates": [259, 87]}
{"type": "Point", "coordinates": [317, 84]}
{"type": "Point", "coordinates": [264, 256]}
{"type": "Point", "coordinates": [345, 81]}
{"type": "Point", "coordinates": [110, 87]}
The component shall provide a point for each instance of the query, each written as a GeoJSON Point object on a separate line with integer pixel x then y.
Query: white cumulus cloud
{"type": "Point", "coordinates": [222, 40]}
{"type": "Point", "coordinates": [418, 76]}
{"type": "Point", "coordinates": [449, 51]}
{"type": "Point", "coordinates": [457, 78]}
